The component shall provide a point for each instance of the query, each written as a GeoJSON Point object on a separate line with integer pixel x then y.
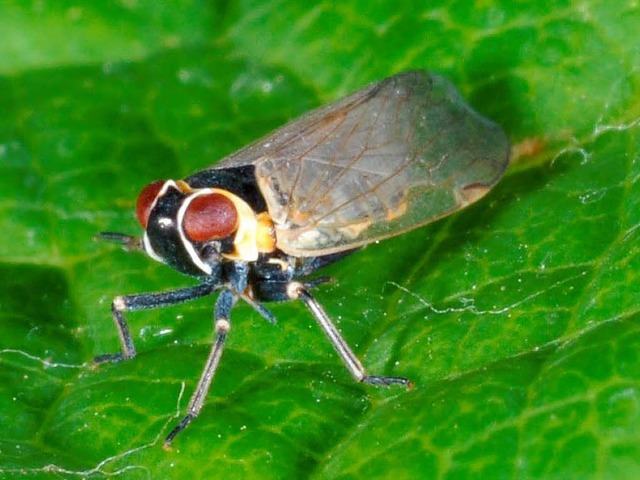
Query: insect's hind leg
{"type": "Point", "coordinates": [145, 301]}
{"type": "Point", "coordinates": [296, 290]}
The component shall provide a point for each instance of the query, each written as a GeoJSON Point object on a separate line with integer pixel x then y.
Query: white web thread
{"type": "Point", "coordinates": [469, 305]}
{"type": "Point", "coordinates": [99, 468]}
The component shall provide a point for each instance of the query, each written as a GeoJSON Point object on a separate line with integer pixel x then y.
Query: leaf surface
{"type": "Point", "coordinates": [517, 319]}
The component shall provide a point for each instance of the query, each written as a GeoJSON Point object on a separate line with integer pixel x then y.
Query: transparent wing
{"type": "Point", "coordinates": [396, 155]}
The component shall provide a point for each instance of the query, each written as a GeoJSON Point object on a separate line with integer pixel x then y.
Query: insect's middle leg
{"type": "Point", "coordinates": [144, 301]}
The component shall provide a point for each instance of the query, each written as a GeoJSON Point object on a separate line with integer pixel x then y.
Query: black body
{"type": "Point", "coordinates": [266, 279]}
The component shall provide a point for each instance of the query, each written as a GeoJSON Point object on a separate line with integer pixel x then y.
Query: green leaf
{"type": "Point", "coordinates": [517, 319]}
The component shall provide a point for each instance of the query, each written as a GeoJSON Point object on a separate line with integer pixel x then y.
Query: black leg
{"type": "Point", "coordinates": [297, 290]}
{"type": "Point", "coordinates": [260, 308]}
{"type": "Point", "coordinates": [128, 303]}
{"type": "Point", "coordinates": [222, 312]}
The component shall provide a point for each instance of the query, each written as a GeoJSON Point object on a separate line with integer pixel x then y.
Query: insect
{"type": "Point", "coordinates": [391, 157]}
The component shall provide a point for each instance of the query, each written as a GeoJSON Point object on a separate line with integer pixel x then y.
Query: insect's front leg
{"type": "Point", "coordinates": [145, 301]}
{"type": "Point", "coordinates": [222, 325]}
{"type": "Point", "coordinates": [236, 273]}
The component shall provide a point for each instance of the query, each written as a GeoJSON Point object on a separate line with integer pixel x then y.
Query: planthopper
{"type": "Point", "coordinates": [398, 154]}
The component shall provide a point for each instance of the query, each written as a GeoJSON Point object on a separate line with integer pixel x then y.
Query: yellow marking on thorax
{"type": "Point", "coordinates": [266, 233]}
{"type": "Point", "coordinates": [255, 233]}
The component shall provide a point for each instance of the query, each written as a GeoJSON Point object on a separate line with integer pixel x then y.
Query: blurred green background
{"type": "Point", "coordinates": [517, 319]}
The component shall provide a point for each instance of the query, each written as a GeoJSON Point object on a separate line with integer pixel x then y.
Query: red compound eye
{"type": "Point", "coordinates": [145, 200]}
{"type": "Point", "coordinates": [210, 217]}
